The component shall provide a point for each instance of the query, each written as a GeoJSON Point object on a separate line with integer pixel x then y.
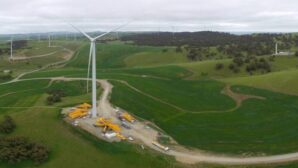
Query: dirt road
{"type": "Point", "coordinates": [33, 57]}
{"type": "Point", "coordinates": [70, 53]}
{"type": "Point", "coordinates": [105, 108]}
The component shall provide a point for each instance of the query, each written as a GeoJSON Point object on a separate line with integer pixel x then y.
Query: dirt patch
{"type": "Point", "coordinates": [238, 97]}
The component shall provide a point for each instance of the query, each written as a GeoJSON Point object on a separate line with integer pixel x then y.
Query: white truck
{"type": "Point", "coordinates": [160, 146]}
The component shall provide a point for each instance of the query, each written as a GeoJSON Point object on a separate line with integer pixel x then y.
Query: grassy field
{"type": "Point", "coordinates": [155, 57]}
{"type": "Point", "coordinates": [284, 81]}
{"type": "Point", "coordinates": [24, 66]}
{"type": "Point", "coordinates": [206, 69]}
{"type": "Point", "coordinates": [35, 48]}
{"type": "Point", "coordinates": [254, 128]}
{"type": "Point", "coordinates": [69, 147]}
{"type": "Point", "coordinates": [198, 106]}
{"type": "Point", "coordinates": [182, 98]}
{"type": "Point", "coordinates": [120, 55]}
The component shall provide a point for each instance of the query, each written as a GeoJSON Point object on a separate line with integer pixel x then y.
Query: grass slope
{"type": "Point", "coordinates": [155, 57]}
{"type": "Point", "coordinates": [256, 127]}
{"type": "Point", "coordinates": [259, 126]}
{"type": "Point", "coordinates": [120, 55]}
{"type": "Point", "coordinates": [284, 81]}
{"type": "Point", "coordinates": [207, 68]}
{"type": "Point", "coordinates": [69, 147]}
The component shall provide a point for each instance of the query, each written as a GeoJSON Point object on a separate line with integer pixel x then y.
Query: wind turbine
{"type": "Point", "coordinates": [92, 58]}
{"type": "Point", "coordinates": [11, 47]}
{"type": "Point", "coordinates": [49, 36]}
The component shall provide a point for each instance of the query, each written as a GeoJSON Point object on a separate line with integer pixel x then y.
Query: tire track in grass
{"type": "Point", "coordinates": [237, 97]}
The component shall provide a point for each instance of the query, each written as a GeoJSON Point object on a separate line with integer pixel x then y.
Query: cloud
{"type": "Point", "coordinates": [18, 16]}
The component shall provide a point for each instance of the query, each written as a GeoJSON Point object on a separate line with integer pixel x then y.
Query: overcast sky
{"type": "Point", "coordinates": [24, 16]}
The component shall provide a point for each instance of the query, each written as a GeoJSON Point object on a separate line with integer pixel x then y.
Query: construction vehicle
{"type": "Point", "coordinates": [125, 125]}
{"type": "Point", "coordinates": [127, 117]}
{"type": "Point", "coordinates": [120, 136]}
{"type": "Point", "coordinates": [160, 146]}
{"type": "Point", "coordinates": [85, 106]}
{"type": "Point", "coordinates": [107, 124]}
{"type": "Point", "coordinates": [78, 113]}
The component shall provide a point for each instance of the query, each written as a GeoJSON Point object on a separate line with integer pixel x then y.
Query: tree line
{"type": "Point", "coordinates": [15, 149]}
{"type": "Point", "coordinates": [252, 65]}
{"type": "Point", "coordinates": [198, 44]}
{"type": "Point", "coordinates": [198, 39]}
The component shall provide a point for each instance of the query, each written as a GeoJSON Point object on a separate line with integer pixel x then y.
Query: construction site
{"type": "Point", "coordinates": [113, 124]}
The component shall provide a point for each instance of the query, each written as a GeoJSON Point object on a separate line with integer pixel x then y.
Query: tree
{"type": "Point", "coordinates": [7, 125]}
{"type": "Point", "coordinates": [219, 66]}
{"type": "Point", "coordinates": [5, 76]}
{"type": "Point", "coordinates": [17, 149]}
{"type": "Point", "coordinates": [247, 60]}
{"type": "Point", "coordinates": [236, 70]}
{"type": "Point", "coordinates": [164, 50]}
{"type": "Point", "coordinates": [232, 66]}
{"type": "Point", "coordinates": [272, 59]}
{"type": "Point", "coordinates": [178, 49]}
{"type": "Point", "coordinates": [55, 96]}
{"type": "Point", "coordinates": [193, 55]}
{"type": "Point", "coordinates": [238, 61]}
{"type": "Point", "coordinates": [39, 153]}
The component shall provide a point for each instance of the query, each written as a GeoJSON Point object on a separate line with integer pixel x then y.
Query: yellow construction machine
{"type": "Point", "coordinates": [78, 113]}
{"type": "Point", "coordinates": [120, 136]}
{"type": "Point", "coordinates": [107, 124]}
{"type": "Point", "coordinates": [127, 117]}
{"type": "Point", "coordinates": [85, 106]}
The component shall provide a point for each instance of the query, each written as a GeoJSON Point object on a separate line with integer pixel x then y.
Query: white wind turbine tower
{"type": "Point", "coordinates": [92, 58]}
{"type": "Point", "coordinates": [49, 36]}
{"type": "Point", "coordinates": [11, 47]}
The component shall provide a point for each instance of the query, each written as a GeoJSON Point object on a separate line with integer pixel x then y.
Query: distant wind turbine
{"type": "Point", "coordinates": [11, 47]}
{"type": "Point", "coordinates": [92, 58]}
{"type": "Point", "coordinates": [49, 36]}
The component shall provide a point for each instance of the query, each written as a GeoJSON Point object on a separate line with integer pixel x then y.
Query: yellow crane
{"type": "Point", "coordinates": [128, 117]}
{"type": "Point", "coordinates": [78, 113]}
{"type": "Point", "coordinates": [120, 136]}
{"type": "Point", "coordinates": [108, 125]}
{"type": "Point", "coordinates": [84, 106]}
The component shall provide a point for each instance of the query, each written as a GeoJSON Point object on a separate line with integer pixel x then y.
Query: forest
{"type": "Point", "coordinates": [198, 44]}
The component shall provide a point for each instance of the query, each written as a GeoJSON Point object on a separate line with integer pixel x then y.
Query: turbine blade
{"type": "Point", "coordinates": [117, 28]}
{"type": "Point", "coordinates": [89, 66]}
{"type": "Point", "coordinates": [85, 34]}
